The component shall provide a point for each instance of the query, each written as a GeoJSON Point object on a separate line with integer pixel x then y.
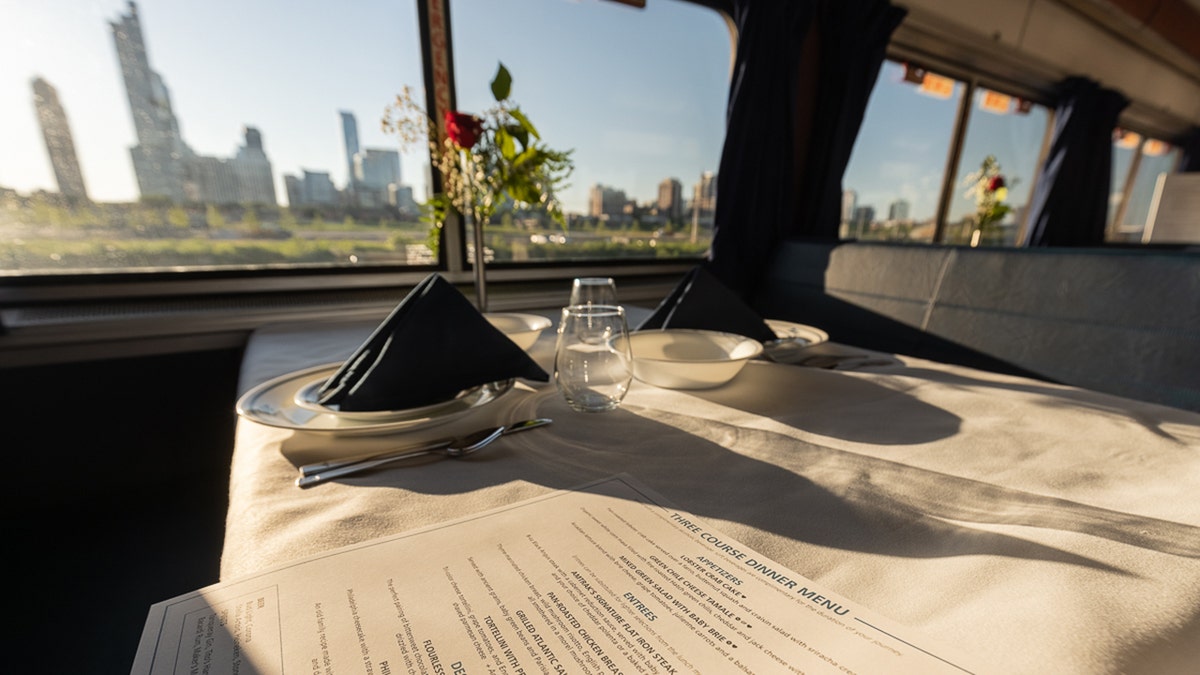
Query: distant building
{"type": "Point", "coordinates": [158, 158]}
{"type": "Point", "coordinates": [374, 171]}
{"type": "Point", "coordinates": [378, 168]}
{"type": "Point", "coordinates": [293, 190]}
{"type": "Point", "coordinates": [350, 145]}
{"type": "Point", "coordinates": [849, 203]}
{"type": "Point", "coordinates": [60, 145]}
{"type": "Point", "coordinates": [256, 182]}
{"type": "Point", "coordinates": [704, 203]}
{"type": "Point", "coordinates": [898, 210]}
{"type": "Point", "coordinates": [606, 202]}
{"type": "Point", "coordinates": [243, 179]}
{"type": "Point", "coordinates": [212, 180]}
{"type": "Point", "coordinates": [863, 217]}
{"type": "Point", "coordinates": [670, 199]}
{"type": "Point", "coordinates": [372, 174]}
{"type": "Point", "coordinates": [704, 199]}
{"type": "Point", "coordinates": [164, 165]}
{"type": "Point", "coordinates": [314, 188]}
{"type": "Point", "coordinates": [401, 197]}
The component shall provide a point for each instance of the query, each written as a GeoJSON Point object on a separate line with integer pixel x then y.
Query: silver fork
{"type": "Point", "coordinates": [318, 472]}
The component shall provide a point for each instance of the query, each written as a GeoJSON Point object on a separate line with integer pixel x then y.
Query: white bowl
{"type": "Point", "coordinates": [522, 329]}
{"type": "Point", "coordinates": [690, 359]}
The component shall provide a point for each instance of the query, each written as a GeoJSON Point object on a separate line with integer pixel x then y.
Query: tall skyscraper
{"type": "Point", "coordinates": [670, 198]}
{"type": "Point", "coordinates": [159, 157]}
{"type": "Point", "coordinates": [59, 143]}
{"type": "Point", "coordinates": [164, 165]}
{"type": "Point", "coordinates": [898, 210]}
{"type": "Point", "coordinates": [350, 142]}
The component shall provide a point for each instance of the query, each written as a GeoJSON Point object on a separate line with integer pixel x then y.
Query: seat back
{"type": "Point", "coordinates": [1123, 321]}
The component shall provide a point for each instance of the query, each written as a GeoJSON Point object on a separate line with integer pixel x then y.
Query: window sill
{"type": "Point", "coordinates": [78, 321]}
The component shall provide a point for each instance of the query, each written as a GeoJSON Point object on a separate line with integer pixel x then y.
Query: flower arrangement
{"type": "Point", "coordinates": [988, 187]}
{"type": "Point", "coordinates": [485, 160]}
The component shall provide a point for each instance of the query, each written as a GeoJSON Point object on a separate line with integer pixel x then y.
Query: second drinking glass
{"type": "Point", "coordinates": [593, 291]}
{"type": "Point", "coordinates": [592, 358]}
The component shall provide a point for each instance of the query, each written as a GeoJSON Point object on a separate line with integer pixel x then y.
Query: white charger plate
{"type": "Point", "coordinates": [276, 403]}
{"type": "Point", "coordinates": [791, 338]}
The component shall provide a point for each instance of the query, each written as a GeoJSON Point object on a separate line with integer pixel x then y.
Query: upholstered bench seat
{"type": "Point", "coordinates": [1122, 321]}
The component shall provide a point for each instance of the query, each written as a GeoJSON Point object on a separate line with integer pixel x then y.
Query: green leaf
{"type": "Point", "coordinates": [518, 132]}
{"type": "Point", "coordinates": [502, 83]}
{"type": "Point", "coordinates": [505, 140]}
{"type": "Point", "coordinates": [528, 155]}
{"type": "Point", "coordinates": [525, 192]}
{"type": "Point", "coordinates": [520, 117]}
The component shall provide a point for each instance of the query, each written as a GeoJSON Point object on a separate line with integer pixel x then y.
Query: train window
{"type": "Point", "coordinates": [1137, 162]}
{"type": "Point", "coordinates": [638, 95]}
{"type": "Point", "coordinates": [996, 169]}
{"type": "Point", "coordinates": [161, 135]}
{"type": "Point", "coordinates": [893, 180]}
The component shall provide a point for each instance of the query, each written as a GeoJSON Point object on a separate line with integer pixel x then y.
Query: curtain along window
{"type": "Point", "coordinates": [802, 76]}
{"type": "Point", "coordinates": [1191, 151]}
{"type": "Point", "coordinates": [1070, 200]}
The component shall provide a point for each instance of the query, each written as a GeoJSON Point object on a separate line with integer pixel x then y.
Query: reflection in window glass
{"type": "Point", "coordinates": [1011, 131]}
{"type": "Point", "coordinates": [638, 95]}
{"type": "Point", "coordinates": [215, 134]}
{"type": "Point", "coordinates": [1125, 145]}
{"type": "Point", "coordinates": [894, 177]}
{"type": "Point", "coordinates": [1132, 212]}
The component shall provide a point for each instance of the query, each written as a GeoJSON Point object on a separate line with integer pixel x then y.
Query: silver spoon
{"type": "Point", "coordinates": [458, 448]}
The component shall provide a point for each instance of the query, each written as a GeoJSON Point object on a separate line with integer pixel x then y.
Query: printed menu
{"type": "Point", "coordinates": [606, 578]}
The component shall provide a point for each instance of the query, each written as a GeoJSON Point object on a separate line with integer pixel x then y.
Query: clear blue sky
{"type": "Point", "coordinates": [288, 67]}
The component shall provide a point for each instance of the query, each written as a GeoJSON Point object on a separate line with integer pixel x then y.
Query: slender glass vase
{"type": "Point", "coordinates": [475, 225]}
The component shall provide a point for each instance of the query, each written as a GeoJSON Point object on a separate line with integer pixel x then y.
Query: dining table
{"type": "Point", "coordinates": [1037, 527]}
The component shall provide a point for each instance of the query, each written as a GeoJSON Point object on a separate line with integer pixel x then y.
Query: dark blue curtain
{"type": "Point", "coordinates": [1191, 151]}
{"type": "Point", "coordinates": [803, 72]}
{"type": "Point", "coordinates": [1069, 206]}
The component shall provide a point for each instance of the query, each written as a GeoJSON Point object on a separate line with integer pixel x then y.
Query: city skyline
{"type": "Point", "coordinates": [93, 84]}
{"type": "Point", "coordinates": [294, 90]}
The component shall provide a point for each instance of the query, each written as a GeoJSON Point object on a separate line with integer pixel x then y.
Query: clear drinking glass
{"type": "Point", "coordinates": [593, 291]}
{"type": "Point", "coordinates": [592, 358]}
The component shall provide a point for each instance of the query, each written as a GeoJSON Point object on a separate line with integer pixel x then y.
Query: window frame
{"type": "Point", "coordinates": [299, 282]}
{"type": "Point", "coordinates": [997, 69]}
{"type": "Point", "coordinates": [1116, 218]}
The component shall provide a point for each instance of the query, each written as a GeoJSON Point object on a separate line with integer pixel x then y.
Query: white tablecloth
{"type": "Point", "coordinates": [1041, 528]}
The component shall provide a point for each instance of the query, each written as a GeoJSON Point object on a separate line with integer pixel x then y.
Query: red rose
{"type": "Point", "coordinates": [463, 130]}
{"type": "Point", "coordinates": [996, 183]}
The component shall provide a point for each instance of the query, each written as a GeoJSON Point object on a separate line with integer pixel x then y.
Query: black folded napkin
{"type": "Point", "coordinates": [702, 302]}
{"type": "Point", "coordinates": [432, 346]}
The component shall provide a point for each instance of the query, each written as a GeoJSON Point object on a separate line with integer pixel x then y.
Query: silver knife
{"type": "Point", "coordinates": [418, 449]}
